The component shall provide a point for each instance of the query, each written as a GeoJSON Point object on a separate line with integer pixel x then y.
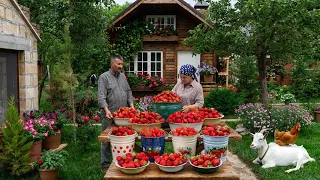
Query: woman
{"type": "Point", "coordinates": [189, 89]}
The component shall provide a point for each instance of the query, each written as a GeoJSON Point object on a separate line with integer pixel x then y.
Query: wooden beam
{"type": "Point", "coordinates": [127, 12]}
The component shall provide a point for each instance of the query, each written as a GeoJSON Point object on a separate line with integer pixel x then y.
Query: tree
{"type": "Point", "coordinates": [16, 146]}
{"type": "Point", "coordinates": [283, 29]}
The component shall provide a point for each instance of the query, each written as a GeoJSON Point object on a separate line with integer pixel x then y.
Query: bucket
{"type": "Point", "coordinates": [121, 145]}
{"type": "Point", "coordinates": [153, 146]}
{"type": "Point", "coordinates": [185, 145]}
{"type": "Point", "coordinates": [217, 145]}
{"type": "Point", "coordinates": [165, 109]}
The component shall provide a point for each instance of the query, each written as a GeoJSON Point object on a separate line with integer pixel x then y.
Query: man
{"type": "Point", "coordinates": [113, 93]}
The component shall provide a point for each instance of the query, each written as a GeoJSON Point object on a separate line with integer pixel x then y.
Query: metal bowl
{"type": "Point", "coordinates": [122, 121]}
{"type": "Point", "coordinates": [171, 168]}
{"type": "Point", "coordinates": [138, 127]}
{"type": "Point", "coordinates": [132, 170]}
{"type": "Point", "coordinates": [206, 170]}
{"type": "Point", "coordinates": [213, 121]}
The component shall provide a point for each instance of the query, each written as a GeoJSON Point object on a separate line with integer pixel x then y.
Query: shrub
{"type": "Point", "coordinates": [86, 135]}
{"type": "Point", "coordinates": [256, 116]}
{"type": "Point", "coordinates": [86, 102]}
{"type": "Point", "coordinates": [224, 100]}
{"type": "Point", "coordinates": [246, 72]}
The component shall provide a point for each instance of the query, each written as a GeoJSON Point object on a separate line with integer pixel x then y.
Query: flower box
{"type": "Point", "coordinates": [160, 38]}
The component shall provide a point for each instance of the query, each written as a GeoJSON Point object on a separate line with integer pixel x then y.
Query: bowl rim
{"type": "Point", "coordinates": [121, 118]}
{"type": "Point", "coordinates": [116, 163]}
{"type": "Point", "coordinates": [167, 102]}
{"type": "Point", "coordinates": [147, 124]}
{"type": "Point", "coordinates": [135, 134]}
{"type": "Point", "coordinates": [171, 166]}
{"type": "Point", "coordinates": [221, 162]}
{"type": "Point", "coordinates": [214, 118]}
{"type": "Point", "coordinates": [215, 136]}
{"type": "Point", "coordinates": [186, 123]}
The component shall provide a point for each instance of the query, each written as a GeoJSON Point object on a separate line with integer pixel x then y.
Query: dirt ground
{"type": "Point", "coordinates": [241, 168]}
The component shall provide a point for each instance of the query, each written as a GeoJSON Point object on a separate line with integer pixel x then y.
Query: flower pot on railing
{"type": "Point", "coordinates": [52, 142]}
{"type": "Point", "coordinates": [208, 77]}
{"type": "Point", "coordinates": [48, 174]}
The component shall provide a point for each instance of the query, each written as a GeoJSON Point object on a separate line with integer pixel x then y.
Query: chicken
{"type": "Point", "coordinates": [285, 138]}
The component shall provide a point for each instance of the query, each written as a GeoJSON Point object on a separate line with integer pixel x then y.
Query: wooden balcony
{"type": "Point", "coordinates": [160, 38]}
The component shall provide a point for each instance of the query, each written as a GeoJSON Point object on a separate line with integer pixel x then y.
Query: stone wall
{"type": "Point", "coordinates": [15, 34]}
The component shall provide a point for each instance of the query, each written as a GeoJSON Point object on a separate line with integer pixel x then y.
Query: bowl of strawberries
{"type": "Point", "coordinates": [210, 116]}
{"type": "Point", "coordinates": [205, 163]}
{"type": "Point", "coordinates": [123, 115]}
{"type": "Point", "coordinates": [146, 120]}
{"type": "Point", "coordinates": [189, 119]}
{"type": "Point", "coordinates": [170, 162]}
{"type": "Point", "coordinates": [166, 103]}
{"type": "Point", "coordinates": [132, 163]}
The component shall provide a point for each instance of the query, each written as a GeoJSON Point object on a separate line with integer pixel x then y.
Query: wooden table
{"type": "Point", "coordinates": [225, 172]}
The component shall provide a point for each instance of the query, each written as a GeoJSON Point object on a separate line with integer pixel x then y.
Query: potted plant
{"type": "Point", "coordinates": [207, 71]}
{"type": "Point", "coordinates": [222, 64]}
{"type": "Point", "coordinates": [288, 98]}
{"type": "Point", "coordinates": [316, 113]}
{"type": "Point", "coordinates": [49, 162]}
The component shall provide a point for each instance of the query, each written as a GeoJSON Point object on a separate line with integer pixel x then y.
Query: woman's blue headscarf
{"type": "Point", "coordinates": [188, 70]}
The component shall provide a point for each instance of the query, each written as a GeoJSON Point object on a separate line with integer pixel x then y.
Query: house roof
{"type": "Point", "coordinates": [201, 4]}
{"type": "Point", "coordinates": [182, 3]}
{"type": "Point", "coordinates": [25, 19]}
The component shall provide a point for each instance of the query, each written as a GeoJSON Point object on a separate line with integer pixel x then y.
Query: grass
{"type": "Point", "coordinates": [309, 137]}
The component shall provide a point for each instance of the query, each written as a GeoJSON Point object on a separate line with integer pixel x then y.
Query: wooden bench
{"type": "Point", "coordinates": [225, 172]}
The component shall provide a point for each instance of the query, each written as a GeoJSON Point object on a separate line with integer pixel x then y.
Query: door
{"type": "Point", "coordinates": [8, 79]}
{"type": "Point", "coordinates": [185, 57]}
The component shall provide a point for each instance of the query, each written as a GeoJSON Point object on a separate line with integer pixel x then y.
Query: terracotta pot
{"type": "Point", "coordinates": [52, 142]}
{"type": "Point", "coordinates": [36, 148]}
{"type": "Point", "coordinates": [208, 78]}
{"type": "Point", "coordinates": [224, 69]}
{"type": "Point", "coordinates": [317, 115]}
{"type": "Point", "coordinates": [48, 174]}
{"type": "Point", "coordinates": [278, 78]}
{"type": "Point", "coordinates": [139, 87]}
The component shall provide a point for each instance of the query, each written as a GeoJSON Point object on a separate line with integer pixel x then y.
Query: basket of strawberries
{"type": "Point", "coordinates": [153, 142]}
{"type": "Point", "coordinates": [146, 120]}
{"type": "Point", "coordinates": [166, 103]}
{"type": "Point", "coordinates": [189, 119]}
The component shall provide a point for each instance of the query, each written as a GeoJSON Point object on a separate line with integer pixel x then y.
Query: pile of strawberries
{"type": "Point", "coordinates": [167, 96]}
{"type": "Point", "coordinates": [184, 131]}
{"type": "Point", "coordinates": [189, 117]}
{"type": "Point", "coordinates": [133, 160]}
{"type": "Point", "coordinates": [147, 118]}
{"type": "Point", "coordinates": [170, 159]}
{"type": "Point", "coordinates": [219, 152]}
{"type": "Point", "coordinates": [152, 132]}
{"type": "Point", "coordinates": [209, 113]}
{"type": "Point", "coordinates": [216, 130]}
{"type": "Point", "coordinates": [122, 131]}
{"type": "Point", "coordinates": [205, 160]}
{"type": "Point", "coordinates": [125, 112]}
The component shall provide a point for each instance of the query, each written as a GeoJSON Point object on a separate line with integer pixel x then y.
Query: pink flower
{"type": "Point", "coordinates": [45, 134]}
{"type": "Point", "coordinates": [34, 136]}
{"type": "Point", "coordinates": [35, 133]}
{"type": "Point", "coordinates": [58, 131]}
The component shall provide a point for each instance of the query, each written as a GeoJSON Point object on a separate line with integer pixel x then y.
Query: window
{"type": "Point", "coordinates": [165, 20]}
{"type": "Point", "coordinates": [147, 61]}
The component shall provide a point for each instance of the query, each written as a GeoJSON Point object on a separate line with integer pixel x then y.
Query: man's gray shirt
{"type": "Point", "coordinates": [114, 92]}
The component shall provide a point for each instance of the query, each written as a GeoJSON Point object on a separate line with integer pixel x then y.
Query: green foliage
{"type": "Point", "coordinates": [85, 136]}
{"type": "Point", "coordinates": [245, 69]}
{"type": "Point", "coordinates": [305, 83]}
{"type": "Point", "coordinates": [248, 32]}
{"type": "Point", "coordinates": [224, 100]}
{"type": "Point", "coordinates": [16, 148]}
{"type": "Point", "coordinates": [62, 76]}
{"type": "Point", "coordinates": [255, 116]}
{"type": "Point", "coordinates": [86, 102]}
{"type": "Point", "coordinates": [51, 159]}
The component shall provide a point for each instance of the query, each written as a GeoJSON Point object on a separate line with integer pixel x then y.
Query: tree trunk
{"type": "Point", "coordinates": [262, 77]}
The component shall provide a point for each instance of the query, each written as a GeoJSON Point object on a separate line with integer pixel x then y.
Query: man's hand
{"type": "Point", "coordinates": [185, 109]}
{"type": "Point", "coordinates": [108, 113]}
{"type": "Point", "coordinates": [132, 106]}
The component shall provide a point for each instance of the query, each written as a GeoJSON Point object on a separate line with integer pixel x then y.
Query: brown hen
{"type": "Point", "coordinates": [283, 138]}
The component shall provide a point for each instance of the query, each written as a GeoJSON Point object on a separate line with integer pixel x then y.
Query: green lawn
{"type": "Point", "coordinates": [309, 138]}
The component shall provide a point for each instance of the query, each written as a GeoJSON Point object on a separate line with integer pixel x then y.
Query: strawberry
{"type": "Point", "coordinates": [119, 158]}
{"type": "Point", "coordinates": [166, 96]}
{"type": "Point", "coordinates": [122, 131]}
{"type": "Point", "coordinates": [125, 112]}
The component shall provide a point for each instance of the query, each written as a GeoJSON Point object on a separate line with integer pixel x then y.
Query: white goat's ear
{"type": "Point", "coordinates": [265, 132]}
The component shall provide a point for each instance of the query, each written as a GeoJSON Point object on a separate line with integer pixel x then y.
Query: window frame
{"type": "Point", "coordinates": [165, 17]}
{"type": "Point", "coordinates": [148, 63]}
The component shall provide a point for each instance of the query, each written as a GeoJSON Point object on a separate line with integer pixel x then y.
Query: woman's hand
{"type": "Point", "coordinates": [185, 109]}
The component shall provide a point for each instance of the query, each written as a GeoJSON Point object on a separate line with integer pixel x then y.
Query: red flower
{"type": "Point", "coordinates": [167, 31]}
{"type": "Point", "coordinates": [39, 161]}
{"type": "Point", "coordinates": [38, 155]}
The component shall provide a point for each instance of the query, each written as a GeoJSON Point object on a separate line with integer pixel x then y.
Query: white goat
{"type": "Point", "coordinates": [271, 155]}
